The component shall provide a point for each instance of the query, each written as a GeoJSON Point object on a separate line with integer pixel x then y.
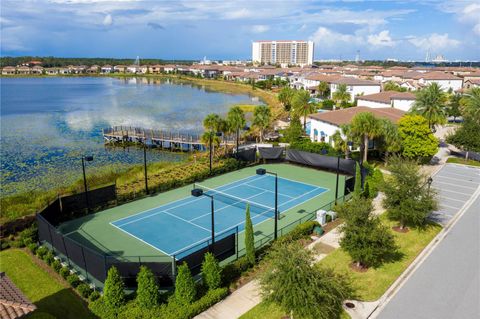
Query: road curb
{"type": "Point", "coordinates": [398, 284]}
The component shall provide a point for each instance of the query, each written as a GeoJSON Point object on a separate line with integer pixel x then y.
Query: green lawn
{"type": "Point", "coordinates": [373, 283]}
{"type": "Point", "coordinates": [463, 161]}
{"type": "Point", "coordinates": [51, 297]}
{"type": "Point", "coordinates": [271, 311]}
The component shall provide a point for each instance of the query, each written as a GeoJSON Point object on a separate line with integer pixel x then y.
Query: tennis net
{"type": "Point", "coordinates": [233, 200]}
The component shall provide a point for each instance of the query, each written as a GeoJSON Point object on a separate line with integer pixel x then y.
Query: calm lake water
{"type": "Point", "coordinates": [47, 124]}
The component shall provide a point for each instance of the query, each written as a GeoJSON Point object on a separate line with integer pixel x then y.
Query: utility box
{"type": "Point", "coordinates": [322, 217]}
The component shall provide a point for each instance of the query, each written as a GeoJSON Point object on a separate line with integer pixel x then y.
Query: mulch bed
{"type": "Point", "coordinates": [400, 230]}
{"type": "Point", "coordinates": [357, 268]}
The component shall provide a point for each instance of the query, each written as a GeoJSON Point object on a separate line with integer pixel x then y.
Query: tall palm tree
{"type": "Point", "coordinates": [430, 103]}
{"type": "Point", "coordinates": [471, 104]}
{"type": "Point", "coordinates": [212, 122]}
{"type": "Point", "coordinates": [365, 124]}
{"type": "Point", "coordinates": [391, 137]}
{"type": "Point", "coordinates": [302, 106]}
{"type": "Point", "coordinates": [261, 119]}
{"type": "Point", "coordinates": [285, 97]}
{"type": "Point", "coordinates": [323, 89]}
{"type": "Point", "coordinates": [341, 95]}
{"type": "Point", "coordinates": [236, 121]}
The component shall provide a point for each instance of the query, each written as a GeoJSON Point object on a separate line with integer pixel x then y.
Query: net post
{"type": "Point", "coordinates": [174, 266]}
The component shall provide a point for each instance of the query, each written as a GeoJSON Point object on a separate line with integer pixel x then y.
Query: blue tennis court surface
{"type": "Point", "coordinates": [184, 223]}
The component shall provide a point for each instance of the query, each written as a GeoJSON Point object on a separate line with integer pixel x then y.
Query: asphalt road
{"type": "Point", "coordinates": [447, 283]}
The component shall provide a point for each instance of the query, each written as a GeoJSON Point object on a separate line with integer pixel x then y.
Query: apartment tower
{"type": "Point", "coordinates": [283, 52]}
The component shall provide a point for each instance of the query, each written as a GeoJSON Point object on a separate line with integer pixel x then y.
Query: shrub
{"type": "Point", "coordinates": [185, 290]}
{"type": "Point", "coordinates": [33, 248]}
{"type": "Point", "coordinates": [211, 298]}
{"type": "Point", "coordinates": [84, 290]}
{"type": "Point", "coordinates": [211, 272]}
{"type": "Point", "coordinates": [42, 251]}
{"type": "Point", "coordinates": [73, 280]}
{"type": "Point", "coordinates": [48, 257]}
{"type": "Point", "coordinates": [4, 244]}
{"type": "Point", "coordinates": [64, 272]}
{"type": "Point", "coordinates": [234, 270]}
{"type": "Point", "coordinates": [301, 231]}
{"type": "Point", "coordinates": [56, 265]}
{"type": "Point", "coordinates": [313, 147]}
{"type": "Point", "coordinates": [100, 308]}
{"type": "Point", "coordinates": [94, 296]}
{"type": "Point", "coordinates": [147, 291]}
{"type": "Point", "coordinates": [249, 239]}
{"type": "Point", "coordinates": [29, 235]}
{"type": "Point", "coordinates": [113, 291]}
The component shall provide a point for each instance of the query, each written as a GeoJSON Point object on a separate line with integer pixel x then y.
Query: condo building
{"type": "Point", "coordinates": [283, 52]}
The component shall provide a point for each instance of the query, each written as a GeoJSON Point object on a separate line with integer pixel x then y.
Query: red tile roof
{"type": "Point", "coordinates": [345, 116]}
{"type": "Point", "coordinates": [355, 81]}
{"type": "Point", "coordinates": [387, 96]}
{"type": "Point", "coordinates": [13, 304]}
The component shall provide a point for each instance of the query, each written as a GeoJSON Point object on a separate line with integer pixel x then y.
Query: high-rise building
{"type": "Point", "coordinates": [283, 52]}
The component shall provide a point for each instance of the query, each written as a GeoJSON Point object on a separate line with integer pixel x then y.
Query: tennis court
{"type": "Point", "coordinates": [176, 226]}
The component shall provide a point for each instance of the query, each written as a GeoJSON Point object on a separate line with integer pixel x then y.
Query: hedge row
{"type": "Point", "coordinates": [170, 310]}
{"type": "Point", "coordinates": [47, 256]}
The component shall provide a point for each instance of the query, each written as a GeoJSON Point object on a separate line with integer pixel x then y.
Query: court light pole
{"type": "Point", "coordinates": [262, 171]}
{"type": "Point", "coordinates": [429, 182]}
{"type": "Point", "coordinates": [349, 144]}
{"type": "Point", "coordinates": [86, 159]}
{"type": "Point", "coordinates": [211, 141]}
{"type": "Point", "coordinates": [145, 167]}
{"type": "Point", "coordinates": [197, 192]}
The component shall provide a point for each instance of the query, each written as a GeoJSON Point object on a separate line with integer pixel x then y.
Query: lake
{"type": "Point", "coordinates": [47, 124]}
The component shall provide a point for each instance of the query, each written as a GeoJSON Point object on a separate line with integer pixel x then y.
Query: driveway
{"type": "Point", "coordinates": [454, 184]}
{"type": "Point", "coordinates": [447, 284]}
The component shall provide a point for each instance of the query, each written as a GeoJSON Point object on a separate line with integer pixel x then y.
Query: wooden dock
{"type": "Point", "coordinates": [158, 138]}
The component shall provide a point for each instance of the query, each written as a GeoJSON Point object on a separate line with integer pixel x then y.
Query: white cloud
{"type": "Point", "coordinates": [325, 37]}
{"type": "Point", "coordinates": [238, 14]}
{"type": "Point", "coordinates": [260, 28]}
{"type": "Point", "coordinates": [434, 41]}
{"type": "Point", "coordinates": [108, 20]}
{"type": "Point", "coordinates": [467, 12]}
{"type": "Point", "coordinates": [382, 39]}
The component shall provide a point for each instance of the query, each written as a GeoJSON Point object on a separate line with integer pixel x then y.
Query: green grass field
{"type": "Point", "coordinates": [94, 231]}
{"type": "Point", "coordinates": [52, 298]}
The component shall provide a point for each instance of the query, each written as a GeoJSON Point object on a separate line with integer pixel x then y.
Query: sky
{"type": "Point", "coordinates": [224, 30]}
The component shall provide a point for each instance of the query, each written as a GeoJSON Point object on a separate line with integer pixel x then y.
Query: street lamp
{"type": "Point", "coordinates": [349, 144]}
{"type": "Point", "coordinates": [429, 182]}
{"type": "Point", "coordinates": [145, 167]}
{"type": "Point", "coordinates": [211, 140]}
{"type": "Point", "coordinates": [197, 192]}
{"type": "Point", "coordinates": [86, 159]}
{"type": "Point", "coordinates": [262, 171]}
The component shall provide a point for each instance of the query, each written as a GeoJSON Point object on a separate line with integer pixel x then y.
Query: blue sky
{"type": "Point", "coordinates": [225, 29]}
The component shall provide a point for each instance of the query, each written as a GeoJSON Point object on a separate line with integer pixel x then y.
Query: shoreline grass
{"type": "Point", "coordinates": [52, 298]}
{"type": "Point", "coordinates": [463, 161]}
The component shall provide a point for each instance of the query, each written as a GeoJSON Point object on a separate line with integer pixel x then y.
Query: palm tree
{"type": "Point", "coordinates": [302, 106]}
{"type": "Point", "coordinates": [341, 95]}
{"type": "Point", "coordinates": [365, 124]}
{"type": "Point", "coordinates": [430, 103]}
{"type": "Point", "coordinates": [391, 137]}
{"type": "Point", "coordinates": [454, 106]}
{"type": "Point", "coordinates": [212, 122]}
{"type": "Point", "coordinates": [261, 119]}
{"type": "Point", "coordinates": [323, 89]}
{"type": "Point", "coordinates": [285, 97]}
{"type": "Point", "coordinates": [471, 104]}
{"type": "Point", "coordinates": [236, 121]}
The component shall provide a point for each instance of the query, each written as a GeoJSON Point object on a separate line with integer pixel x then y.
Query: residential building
{"type": "Point", "coordinates": [446, 81]}
{"type": "Point", "coordinates": [323, 125]}
{"type": "Point", "coordinates": [23, 70]}
{"type": "Point", "coordinates": [37, 69]}
{"type": "Point", "coordinates": [283, 52]}
{"type": "Point", "coordinates": [472, 83]}
{"type": "Point", "coordinates": [119, 68]}
{"type": "Point", "coordinates": [106, 69]}
{"type": "Point", "coordinates": [355, 87]}
{"type": "Point", "coordinates": [8, 70]}
{"type": "Point", "coordinates": [399, 100]}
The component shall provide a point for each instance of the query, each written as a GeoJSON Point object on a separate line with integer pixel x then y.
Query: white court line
{"type": "Point", "coordinates": [255, 216]}
{"type": "Point", "coordinates": [186, 220]}
{"type": "Point", "coordinates": [457, 185]}
{"type": "Point", "coordinates": [267, 190]}
{"type": "Point", "coordinates": [126, 232]}
{"type": "Point", "coordinates": [462, 175]}
{"type": "Point", "coordinates": [175, 201]}
{"type": "Point", "coordinates": [230, 205]}
{"type": "Point", "coordinates": [457, 179]}
{"type": "Point", "coordinates": [460, 193]}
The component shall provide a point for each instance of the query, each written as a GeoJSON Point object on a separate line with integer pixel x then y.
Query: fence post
{"type": "Point", "coordinates": [236, 240]}
{"type": "Point", "coordinates": [84, 263]}
{"type": "Point", "coordinates": [105, 265]}
{"type": "Point", "coordinates": [66, 251]}
{"type": "Point", "coordinates": [174, 268]}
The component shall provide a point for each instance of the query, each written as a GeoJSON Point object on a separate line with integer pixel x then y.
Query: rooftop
{"type": "Point", "coordinates": [345, 116]}
{"type": "Point", "coordinates": [13, 304]}
{"type": "Point", "coordinates": [354, 81]}
{"type": "Point", "coordinates": [387, 96]}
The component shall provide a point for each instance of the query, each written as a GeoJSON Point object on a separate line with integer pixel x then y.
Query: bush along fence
{"type": "Point", "coordinates": [93, 265]}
